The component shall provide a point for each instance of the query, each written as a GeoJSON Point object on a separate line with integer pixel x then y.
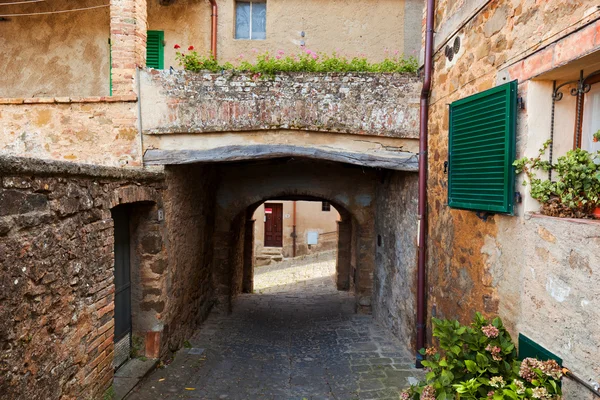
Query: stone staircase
{"type": "Point", "coordinates": [268, 255]}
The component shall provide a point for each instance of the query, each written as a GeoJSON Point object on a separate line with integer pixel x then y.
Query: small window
{"type": "Point", "coordinates": [325, 206]}
{"type": "Point", "coordinates": [251, 20]}
{"type": "Point", "coordinates": [591, 119]}
{"type": "Point", "coordinates": [155, 51]}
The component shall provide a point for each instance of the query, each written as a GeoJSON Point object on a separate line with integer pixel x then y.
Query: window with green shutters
{"type": "Point", "coordinates": [155, 51]}
{"type": "Point", "coordinates": [482, 149]}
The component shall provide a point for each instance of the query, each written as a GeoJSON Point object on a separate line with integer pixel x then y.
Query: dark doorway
{"type": "Point", "coordinates": [273, 225]}
{"type": "Point", "coordinates": [122, 336]}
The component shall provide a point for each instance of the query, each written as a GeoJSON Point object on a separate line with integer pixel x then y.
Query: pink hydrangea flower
{"type": "Point", "coordinates": [490, 331]}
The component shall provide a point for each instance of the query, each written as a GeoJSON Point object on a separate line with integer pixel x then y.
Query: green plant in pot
{"type": "Point", "coordinates": [576, 190]}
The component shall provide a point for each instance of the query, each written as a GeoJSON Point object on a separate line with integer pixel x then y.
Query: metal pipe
{"type": "Point", "coordinates": [577, 379]}
{"type": "Point", "coordinates": [294, 230]}
{"type": "Point", "coordinates": [423, 146]}
{"type": "Point", "coordinates": [214, 18]}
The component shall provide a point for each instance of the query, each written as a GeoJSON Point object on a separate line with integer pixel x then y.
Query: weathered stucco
{"type": "Point", "coordinates": [102, 131]}
{"type": "Point", "coordinates": [533, 272]}
{"type": "Point", "coordinates": [55, 55]}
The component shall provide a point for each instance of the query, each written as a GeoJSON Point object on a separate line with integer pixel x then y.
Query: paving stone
{"type": "Point", "coordinates": [295, 338]}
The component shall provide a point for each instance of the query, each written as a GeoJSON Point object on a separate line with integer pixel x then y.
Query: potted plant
{"type": "Point", "coordinates": [576, 190]}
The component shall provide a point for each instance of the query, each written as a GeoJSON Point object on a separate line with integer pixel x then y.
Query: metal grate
{"type": "Point", "coordinates": [122, 351]}
{"type": "Point", "coordinates": [482, 150]}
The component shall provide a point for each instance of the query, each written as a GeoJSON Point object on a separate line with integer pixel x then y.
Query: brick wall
{"type": "Point", "coordinates": [373, 104]}
{"type": "Point", "coordinates": [56, 275]}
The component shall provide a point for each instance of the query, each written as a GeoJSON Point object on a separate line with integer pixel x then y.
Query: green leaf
{"type": "Point", "coordinates": [471, 366]}
{"type": "Point", "coordinates": [455, 349]}
{"type": "Point", "coordinates": [443, 362]}
{"type": "Point", "coordinates": [446, 378]}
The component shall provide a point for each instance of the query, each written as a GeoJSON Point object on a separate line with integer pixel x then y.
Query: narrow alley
{"type": "Point", "coordinates": [295, 337]}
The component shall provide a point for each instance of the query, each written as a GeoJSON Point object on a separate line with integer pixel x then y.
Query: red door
{"type": "Point", "coordinates": [273, 225]}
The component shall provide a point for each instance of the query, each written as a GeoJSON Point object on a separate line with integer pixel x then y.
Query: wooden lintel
{"type": "Point", "coordinates": [401, 161]}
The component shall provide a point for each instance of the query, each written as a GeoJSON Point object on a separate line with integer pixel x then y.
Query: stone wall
{"type": "Point", "coordinates": [365, 104]}
{"type": "Point", "coordinates": [535, 273]}
{"type": "Point", "coordinates": [56, 275]}
{"type": "Point", "coordinates": [189, 212]}
{"type": "Point", "coordinates": [97, 130]}
{"type": "Point", "coordinates": [395, 280]}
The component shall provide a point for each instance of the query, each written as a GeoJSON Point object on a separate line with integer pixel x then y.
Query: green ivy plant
{"type": "Point", "coordinates": [268, 65]}
{"type": "Point", "coordinates": [479, 361]}
{"type": "Point", "coordinates": [576, 190]}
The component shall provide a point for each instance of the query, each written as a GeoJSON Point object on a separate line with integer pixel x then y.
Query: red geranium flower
{"type": "Point", "coordinates": [177, 46]}
{"type": "Point", "coordinates": [191, 48]}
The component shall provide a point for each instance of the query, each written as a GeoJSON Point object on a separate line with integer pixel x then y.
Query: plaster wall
{"type": "Point", "coordinates": [55, 55]}
{"type": "Point", "coordinates": [531, 271]}
{"type": "Point", "coordinates": [309, 217]}
{"type": "Point", "coordinates": [101, 131]}
{"type": "Point", "coordinates": [349, 28]}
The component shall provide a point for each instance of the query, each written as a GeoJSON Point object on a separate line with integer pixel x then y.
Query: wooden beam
{"type": "Point", "coordinates": [401, 161]}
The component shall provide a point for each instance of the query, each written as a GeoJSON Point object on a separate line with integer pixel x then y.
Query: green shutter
{"type": "Point", "coordinates": [529, 348]}
{"type": "Point", "coordinates": [155, 52]}
{"type": "Point", "coordinates": [482, 150]}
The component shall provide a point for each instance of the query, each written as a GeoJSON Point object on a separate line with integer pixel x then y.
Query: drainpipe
{"type": "Point", "coordinates": [294, 231]}
{"type": "Point", "coordinates": [423, 130]}
{"type": "Point", "coordinates": [214, 17]}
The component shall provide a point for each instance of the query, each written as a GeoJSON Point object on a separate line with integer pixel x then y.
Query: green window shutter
{"type": "Point", "coordinates": [155, 51]}
{"type": "Point", "coordinates": [529, 348]}
{"type": "Point", "coordinates": [482, 150]}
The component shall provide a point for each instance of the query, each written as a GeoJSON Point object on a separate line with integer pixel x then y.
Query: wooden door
{"type": "Point", "coordinates": [273, 225]}
{"type": "Point", "coordinates": [122, 312]}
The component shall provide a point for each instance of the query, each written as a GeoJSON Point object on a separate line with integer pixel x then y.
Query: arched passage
{"type": "Point", "coordinates": [343, 246]}
{"type": "Point", "coordinates": [349, 189]}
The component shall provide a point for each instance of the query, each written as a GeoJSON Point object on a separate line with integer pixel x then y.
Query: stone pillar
{"type": "Point", "coordinates": [128, 25]}
{"type": "Point", "coordinates": [248, 274]}
{"type": "Point", "coordinates": [344, 255]}
{"type": "Point", "coordinates": [365, 260]}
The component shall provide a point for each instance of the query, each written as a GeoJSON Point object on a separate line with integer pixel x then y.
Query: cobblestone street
{"type": "Point", "coordinates": [296, 338]}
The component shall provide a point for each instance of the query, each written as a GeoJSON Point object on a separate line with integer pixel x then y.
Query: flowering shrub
{"type": "Point", "coordinates": [306, 61]}
{"type": "Point", "coordinates": [480, 362]}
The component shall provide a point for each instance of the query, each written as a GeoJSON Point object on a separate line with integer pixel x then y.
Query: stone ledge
{"type": "Point", "coordinates": [11, 165]}
{"type": "Point", "coordinates": [69, 100]}
{"type": "Point", "coordinates": [568, 220]}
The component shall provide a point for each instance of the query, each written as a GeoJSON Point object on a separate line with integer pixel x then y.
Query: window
{"type": "Point", "coordinates": [482, 149]}
{"type": "Point", "coordinates": [325, 206]}
{"type": "Point", "coordinates": [155, 57]}
{"type": "Point", "coordinates": [591, 119]}
{"type": "Point", "coordinates": [251, 20]}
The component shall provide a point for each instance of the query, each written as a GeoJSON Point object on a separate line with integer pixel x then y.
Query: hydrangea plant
{"type": "Point", "coordinates": [480, 362]}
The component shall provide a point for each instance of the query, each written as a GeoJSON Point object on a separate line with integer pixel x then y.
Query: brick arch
{"type": "Point", "coordinates": [134, 194]}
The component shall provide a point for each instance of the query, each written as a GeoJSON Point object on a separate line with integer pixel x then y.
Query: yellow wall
{"type": "Point", "coordinates": [349, 27]}
{"type": "Point", "coordinates": [55, 55]}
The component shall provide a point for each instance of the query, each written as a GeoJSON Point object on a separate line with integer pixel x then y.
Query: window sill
{"type": "Point", "coordinates": [69, 100]}
{"type": "Point", "coordinates": [570, 220]}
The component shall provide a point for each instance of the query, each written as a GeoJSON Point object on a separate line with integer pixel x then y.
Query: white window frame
{"type": "Point", "coordinates": [250, 20]}
{"type": "Point", "coordinates": [591, 118]}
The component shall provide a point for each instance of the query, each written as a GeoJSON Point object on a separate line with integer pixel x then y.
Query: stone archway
{"type": "Point", "coordinates": [349, 189]}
